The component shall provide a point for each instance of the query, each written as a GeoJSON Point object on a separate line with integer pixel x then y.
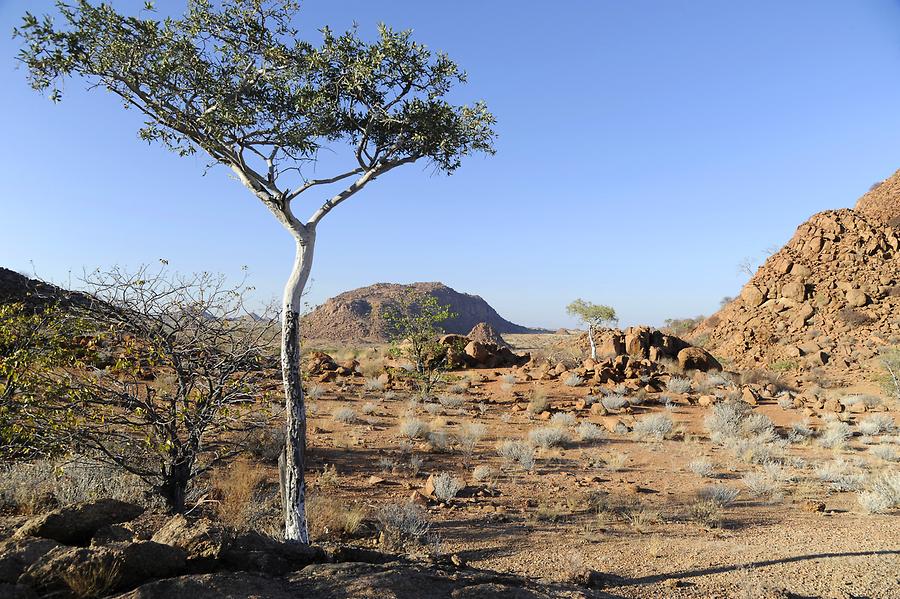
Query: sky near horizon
{"type": "Point", "coordinates": [645, 149]}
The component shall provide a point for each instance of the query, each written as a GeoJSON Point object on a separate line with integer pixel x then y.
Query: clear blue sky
{"type": "Point", "coordinates": [645, 148]}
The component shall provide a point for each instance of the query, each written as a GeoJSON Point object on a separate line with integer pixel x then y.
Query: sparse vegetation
{"type": "Point", "coordinates": [446, 486]}
{"type": "Point", "coordinates": [678, 385]}
{"type": "Point", "coordinates": [653, 427]}
{"type": "Point", "coordinates": [517, 453]}
{"type": "Point", "coordinates": [702, 467]}
{"type": "Point", "coordinates": [548, 436]}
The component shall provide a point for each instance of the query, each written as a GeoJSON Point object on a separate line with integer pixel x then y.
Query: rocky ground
{"type": "Point", "coordinates": [628, 476]}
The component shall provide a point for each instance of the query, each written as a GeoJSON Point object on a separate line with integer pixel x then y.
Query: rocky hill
{"type": "Point", "coordinates": [828, 299]}
{"type": "Point", "coordinates": [355, 315]}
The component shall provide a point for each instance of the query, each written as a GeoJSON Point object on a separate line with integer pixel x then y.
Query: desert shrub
{"type": "Point", "coordinates": [548, 436]}
{"type": "Point", "coordinates": [451, 402]}
{"type": "Point", "coordinates": [653, 427]}
{"type": "Point", "coordinates": [30, 487]}
{"type": "Point", "coordinates": [882, 493]}
{"type": "Point", "coordinates": [702, 467]}
{"type": "Point", "coordinates": [413, 428]}
{"type": "Point", "coordinates": [402, 525]}
{"type": "Point", "coordinates": [758, 425]}
{"type": "Point", "coordinates": [414, 464]}
{"type": "Point", "coordinates": [785, 402]}
{"type": "Point", "coordinates": [800, 431]}
{"type": "Point", "coordinates": [345, 415]}
{"type": "Point", "coordinates": [469, 436]}
{"type": "Point", "coordinates": [562, 419]}
{"type": "Point", "coordinates": [679, 384]}
{"type": "Point", "coordinates": [509, 379]}
{"type": "Point", "coordinates": [369, 408]}
{"type": "Point", "coordinates": [517, 453]}
{"type": "Point", "coordinates": [236, 487]}
{"type": "Point", "coordinates": [835, 435]}
{"type": "Point", "coordinates": [433, 408]}
{"type": "Point", "coordinates": [717, 379]}
{"type": "Point", "coordinates": [870, 401]}
{"type": "Point", "coordinates": [483, 472]}
{"type": "Point", "coordinates": [266, 443]}
{"type": "Point", "coordinates": [840, 475]}
{"type": "Point", "coordinates": [614, 402]}
{"type": "Point", "coordinates": [876, 424]}
{"type": "Point", "coordinates": [373, 384]}
{"type": "Point", "coordinates": [446, 486]}
{"type": "Point", "coordinates": [573, 380]}
{"type": "Point", "coordinates": [890, 362]}
{"type": "Point", "coordinates": [315, 392]}
{"type": "Point", "coordinates": [760, 484]}
{"type": "Point", "coordinates": [614, 461]}
{"type": "Point", "coordinates": [438, 440]}
{"type": "Point", "coordinates": [884, 452]}
{"type": "Point", "coordinates": [93, 578]}
{"type": "Point", "coordinates": [725, 419]}
{"type": "Point", "coordinates": [538, 402]}
{"type": "Point", "coordinates": [707, 514]}
{"type": "Point", "coordinates": [588, 431]}
{"type": "Point", "coordinates": [854, 317]}
{"type": "Point", "coordinates": [721, 495]}
{"type": "Point", "coordinates": [457, 389]}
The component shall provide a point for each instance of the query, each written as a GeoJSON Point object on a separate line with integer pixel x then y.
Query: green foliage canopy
{"type": "Point", "coordinates": [594, 315]}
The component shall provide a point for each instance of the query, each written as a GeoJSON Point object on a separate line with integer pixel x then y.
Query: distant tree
{"type": "Point", "coordinates": [414, 327]}
{"type": "Point", "coordinates": [890, 361]}
{"type": "Point", "coordinates": [682, 326]}
{"type": "Point", "coordinates": [234, 80]}
{"type": "Point", "coordinates": [725, 301]}
{"type": "Point", "coordinates": [594, 316]}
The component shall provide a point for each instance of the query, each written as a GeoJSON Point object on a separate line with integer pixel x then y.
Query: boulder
{"type": "Point", "coordinates": [17, 554]}
{"type": "Point", "coordinates": [254, 552]}
{"type": "Point", "coordinates": [75, 525]}
{"type": "Point", "coordinates": [697, 358]}
{"type": "Point", "coordinates": [485, 333]}
{"type": "Point", "coordinates": [478, 352]}
{"type": "Point", "coordinates": [104, 569]}
{"type": "Point", "coordinates": [203, 541]}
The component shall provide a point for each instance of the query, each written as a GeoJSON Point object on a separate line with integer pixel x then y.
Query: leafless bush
{"type": "Point", "coordinates": [653, 427]}
{"type": "Point", "coordinates": [517, 453]}
{"type": "Point", "coordinates": [614, 402]}
{"type": "Point", "coordinates": [483, 472]}
{"type": "Point", "coordinates": [315, 392]}
{"type": "Point", "coordinates": [876, 424]}
{"type": "Point", "coordinates": [373, 384]}
{"type": "Point", "coordinates": [345, 415]}
{"type": "Point", "coordinates": [721, 495]}
{"type": "Point", "coordinates": [761, 485]}
{"type": "Point", "coordinates": [562, 420]}
{"type": "Point", "coordinates": [470, 435]}
{"type": "Point", "coordinates": [413, 428]}
{"type": "Point", "coordinates": [679, 385]}
{"type": "Point", "coordinates": [446, 486]}
{"type": "Point", "coordinates": [702, 467]}
{"type": "Point", "coordinates": [882, 493]}
{"type": "Point", "coordinates": [835, 435]}
{"type": "Point", "coordinates": [573, 380]}
{"type": "Point", "coordinates": [402, 525]}
{"type": "Point", "coordinates": [547, 436]}
{"type": "Point", "coordinates": [538, 402]}
{"type": "Point", "coordinates": [588, 431]}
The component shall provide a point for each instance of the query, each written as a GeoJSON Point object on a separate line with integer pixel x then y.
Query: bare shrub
{"type": "Point", "coordinates": [725, 420]}
{"type": "Point", "coordinates": [470, 435]}
{"type": "Point", "coordinates": [882, 493]}
{"type": "Point", "coordinates": [413, 428]}
{"type": "Point", "coordinates": [451, 402]}
{"type": "Point", "coordinates": [446, 486]}
{"type": "Point", "coordinates": [800, 431]}
{"type": "Point", "coordinates": [588, 431]}
{"type": "Point", "coordinates": [548, 436]}
{"type": "Point", "coordinates": [653, 427]}
{"type": "Point", "coordinates": [702, 467]}
{"type": "Point", "coordinates": [373, 384]}
{"type": "Point", "coordinates": [679, 384]}
{"type": "Point", "coordinates": [402, 525]}
{"type": "Point", "coordinates": [517, 453]}
{"type": "Point", "coordinates": [614, 402]}
{"type": "Point", "coordinates": [835, 435]}
{"type": "Point", "coordinates": [483, 472]}
{"type": "Point", "coordinates": [876, 424]}
{"type": "Point", "coordinates": [562, 420]}
{"type": "Point", "coordinates": [345, 415]}
{"type": "Point", "coordinates": [266, 443]}
{"type": "Point", "coordinates": [538, 402]}
{"type": "Point", "coordinates": [615, 460]}
{"type": "Point", "coordinates": [509, 379]}
{"type": "Point", "coordinates": [369, 408]}
{"type": "Point", "coordinates": [573, 380]}
{"type": "Point", "coordinates": [315, 392]}
{"type": "Point", "coordinates": [885, 452]}
{"type": "Point", "coordinates": [721, 495]}
{"type": "Point", "coordinates": [707, 514]}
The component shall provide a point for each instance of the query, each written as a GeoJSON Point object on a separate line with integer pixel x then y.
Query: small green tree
{"type": "Point", "coordinates": [33, 341]}
{"type": "Point", "coordinates": [890, 361]}
{"type": "Point", "coordinates": [414, 328]}
{"type": "Point", "coordinates": [594, 316]}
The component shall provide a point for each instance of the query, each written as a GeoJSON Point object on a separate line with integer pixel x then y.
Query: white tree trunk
{"type": "Point", "coordinates": [294, 459]}
{"type": "Point", "coordinates": [591, 339]}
